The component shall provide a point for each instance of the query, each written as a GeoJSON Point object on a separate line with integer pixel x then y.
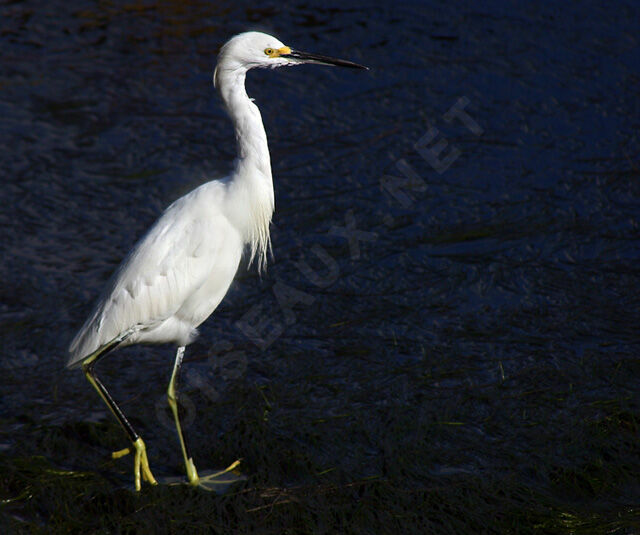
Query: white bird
{"type": "Point", "coordinates": [178, 273]}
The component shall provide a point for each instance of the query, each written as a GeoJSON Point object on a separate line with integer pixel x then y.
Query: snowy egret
{"type": "Point", "coordinates": [178, 273]}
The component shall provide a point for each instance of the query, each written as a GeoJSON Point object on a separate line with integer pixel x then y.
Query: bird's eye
{"type": "Point", "coordinates": [269, 51]}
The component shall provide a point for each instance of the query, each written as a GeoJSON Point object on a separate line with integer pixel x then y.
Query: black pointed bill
{"type": "Point", "coordinates": [305, 57]}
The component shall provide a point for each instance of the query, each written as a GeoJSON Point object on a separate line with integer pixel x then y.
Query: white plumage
{"type": "Point", "coordinates": [172, 280]}
{"type": "Point", "coordinates": [178, 273]}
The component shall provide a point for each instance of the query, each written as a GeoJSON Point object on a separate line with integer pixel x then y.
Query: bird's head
{"type": "Point", "coordinates": [252, 50]}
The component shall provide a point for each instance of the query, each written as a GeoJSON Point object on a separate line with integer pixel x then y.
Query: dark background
{"type": "Point", "coordinates": [462, 359]}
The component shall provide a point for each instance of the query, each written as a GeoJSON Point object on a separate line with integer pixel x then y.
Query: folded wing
{"type": "Point", "coordinates": [169, 264]}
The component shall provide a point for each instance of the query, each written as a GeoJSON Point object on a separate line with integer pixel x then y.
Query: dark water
{"type": "Point", "coordinates": [453, 352]}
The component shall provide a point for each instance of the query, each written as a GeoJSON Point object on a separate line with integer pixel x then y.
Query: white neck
{"type": "Point", "coordinates": [251, 185]}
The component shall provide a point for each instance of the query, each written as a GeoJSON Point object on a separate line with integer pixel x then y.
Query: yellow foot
{"type": "Point", "coordinates": [215, 481]}
{"type": "Point", "coordinates": [221, 480]}
{"type": "Point", "coordinates": [120, 453]}
{"type": "Point", "coordinates": [140, 463]}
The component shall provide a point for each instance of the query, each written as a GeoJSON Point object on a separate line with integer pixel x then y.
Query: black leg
{"type": "Point", "coordinates": [88, 368]}
{"type": "Point", "coordinates": [104, 394]}
{"type": "Point", "coordinates": [141, 463]}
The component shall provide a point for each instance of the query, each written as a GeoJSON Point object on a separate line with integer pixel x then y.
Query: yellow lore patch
{"type": "Point", "coordinates": [277, 52]}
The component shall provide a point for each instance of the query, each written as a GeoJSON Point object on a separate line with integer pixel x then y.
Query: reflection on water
{"type": "Point", "coordinates": [454, 284]}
